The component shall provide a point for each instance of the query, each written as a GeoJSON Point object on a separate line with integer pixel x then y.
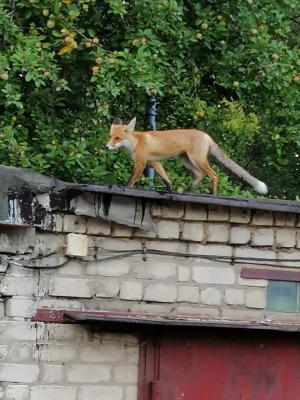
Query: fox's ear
{"type": "Point", "coordinates": [131, 125]}
{"type": "Point", "coordinates": [117, 121]}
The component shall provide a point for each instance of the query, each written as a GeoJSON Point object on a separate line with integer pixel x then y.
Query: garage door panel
{"type": "Point", "coordinates": [233, 365]}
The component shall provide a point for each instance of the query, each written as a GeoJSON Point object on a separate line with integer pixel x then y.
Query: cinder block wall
{"type": "Point", "coordinates": [52, 361]}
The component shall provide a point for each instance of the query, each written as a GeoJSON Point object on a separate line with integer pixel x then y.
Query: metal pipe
{"type": "Point", "coordinates": [149, 172]}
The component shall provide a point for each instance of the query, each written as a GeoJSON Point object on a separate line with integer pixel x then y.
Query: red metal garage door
{"type": "Point", "coordinates": [221, 365]}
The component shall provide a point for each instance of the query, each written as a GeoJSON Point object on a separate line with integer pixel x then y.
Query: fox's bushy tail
{"type": "Point", "coordinates": [226, 163]}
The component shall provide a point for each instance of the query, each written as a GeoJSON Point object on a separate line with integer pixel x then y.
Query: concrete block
{"type": "Point", "coordinates": [13, 331]}
{"type": "Point", "coordinates": [262, 217]}
{"type": "Point", "coordinates": [131, 393]}
{"type": "Point", "coordinates": [108, 244]}
{"type": "Point", "coordinates": [19, 307]}
{"type": "Point", "coordinates": [249, 252]}
{"type": "Point", "coordinates": [51, 392]}
{"type": "Point", "coordinates": [211, 296]}
{"type": "Point", "coordinates": [71, 287]}
{"type": "Point", "coordinates": [243, 314]}
{"type": "Point", "coordinates": [74, 224]}
{"type": "Point", "coordinates": [2, 310]}
{"type": "Point", "coordinates": [195, 212]}
{"type": "Point", "coordinates": [156, 267]}
{"type": "Point", "coordinates": [279, 219]}
{"type": "Point", "coordinates": [290, 219]}
{"type": "Point", "coordinates": [108, 392]}
{"type": "Point", "coordinates": [20, 352]}
{"type": "Point", "coordinates": [218, 213]}
{"type": "Point", "coordinates": [17, 392]}
{"type": "Point", "coordinates": [131, 290]}
{"type": "Point", "coordinates": [263, 237]}
{"type": "Point", "coordinates": [298, 239]}
{"type": "Point", "coordinates": [218, 233]}
{"type": "Point", "coordinates": [286, 237]}
{"type": "Point", "coordinates": [240, 215]}
{"type": "Point", "coordinates": [19, 373]}
{"type": "Point", "coordinates": [97, 226]}
{"type": "Point", "coordinates": [62, 353]}
{"type": "Point", "coordinates": [77, 245]}
{"type": "Point", "coordinates": [175, 210]}
{"type": "Point", "coordinates": [252, 282]}
{"type": "Point", "coordinates": [85, 204]}
{"type": "Point", "coordinates": [60, 304]}
{"type": "Point", "coordinates": [85, 373]}
{"type": "Point", "coordinates": [105, 352]}
{"type": "Point", "coordinates": [193, 231]}
{"type": "Point", "coordinates": [188, 294]}
{"type": "Point", "coordinates": [167, 229]}
{"type": "Point", "coordinates": [141, 233]}
{"type": "Point", "coordinates": [126, 374]}
{"type": "Point", "coordinates": [162, 293]}
{"type": "Point", "coordinates": [107, 287]}
{"type": "Point", "coordinates": [255, 299]}
{"type": "Point", "coordinates": [234, 297]}
{"type": "Point", "coordinates": [47, 243]}
{"type": "Point", "coordinates": [184, 273]}
{"type": "Point", "coordinates": [204, 311]}
{"type": "Point", "coordinates": [3, 352]}
{"type": "Point", "coordinates": [291, 254]}
{"type": "Point", "coordinates": [156, 209]}
{"type": "Point", "coordinates": [65, 333]}
{"type": "Point", "coordinates": [57, 222]}
{"type": "Point", "coordinates": [108, 268]}
{"type": "Point", "coordinates": [73, 267]}
{"type": "Point", "coordinates": [210, 249]}
{"type": "Point", "coordinates": [121, 231]}
{"type": "Point", "coordinates": [51, 373]}
{"type": "Point", "coordinates": [214, 275]}
{"type": "Point", "coordinates": [16, 240]}
{"type": "Point", "coordinates": [18, 286]}
{"type": "Point", "coordinates": [239, 235]}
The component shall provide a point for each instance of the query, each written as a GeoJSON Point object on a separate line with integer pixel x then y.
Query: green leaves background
{"type": "Point", "coordinates": [231, 68]}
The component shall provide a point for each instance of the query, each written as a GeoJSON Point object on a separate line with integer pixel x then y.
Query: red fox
{"type": "Point", "coordinates": [192, 146]}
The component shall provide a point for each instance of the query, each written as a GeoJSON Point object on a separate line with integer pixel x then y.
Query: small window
{"type": "Point", "coordinates": [283, 296]}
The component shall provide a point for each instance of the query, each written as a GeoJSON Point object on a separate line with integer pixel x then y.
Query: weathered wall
{"type": "Point", "coordinates": [47, 361]}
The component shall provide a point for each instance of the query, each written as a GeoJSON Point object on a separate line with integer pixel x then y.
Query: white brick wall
{"type": "Point", "coordinates": [72, 361]}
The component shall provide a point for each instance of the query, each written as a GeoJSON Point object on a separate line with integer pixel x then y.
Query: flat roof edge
{"type": "Point", "coordinates": [258, 204]}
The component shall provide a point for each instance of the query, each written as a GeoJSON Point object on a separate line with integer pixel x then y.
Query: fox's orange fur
{"type": "Point", "coordinates": [192, 146]}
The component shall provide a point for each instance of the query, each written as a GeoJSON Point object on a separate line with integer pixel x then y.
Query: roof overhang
{"type": "Point", "coordinates": [140, 320]}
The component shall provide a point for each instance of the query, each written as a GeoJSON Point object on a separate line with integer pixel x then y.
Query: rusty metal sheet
{"type": "Point", "coordinates": [250, 273]}
{"type": "Point", "coordinates": [158, 320]}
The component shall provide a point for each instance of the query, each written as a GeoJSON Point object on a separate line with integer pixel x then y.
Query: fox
{"type": "Point", "coordinates": [192, 146]}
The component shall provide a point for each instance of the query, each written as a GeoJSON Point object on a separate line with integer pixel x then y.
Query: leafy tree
{"type": "Point", "coordinates": [231, 68]}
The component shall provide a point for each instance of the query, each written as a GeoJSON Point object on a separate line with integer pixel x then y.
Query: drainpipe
{"type": "Point", "coordinates": [149, 172]}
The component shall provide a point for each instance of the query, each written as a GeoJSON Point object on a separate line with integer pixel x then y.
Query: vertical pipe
{"type": "Point", "coordinates": [149, 172]}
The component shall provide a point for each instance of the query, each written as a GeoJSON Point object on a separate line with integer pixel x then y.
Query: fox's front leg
{"type": "Point", "coordinates": [137, 171]}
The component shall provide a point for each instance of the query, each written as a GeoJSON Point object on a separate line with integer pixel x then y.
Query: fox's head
{"type": "Point", "coordinates": [119, 134]}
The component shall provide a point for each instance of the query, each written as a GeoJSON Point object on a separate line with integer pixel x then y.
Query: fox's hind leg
{"type": "Point", "coordinates": [199, 174]}
{"type": "Point", "coordinates": [203, 166]}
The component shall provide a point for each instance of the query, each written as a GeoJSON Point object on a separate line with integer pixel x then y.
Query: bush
{"type": "Point", "coordinates": [230, 68]}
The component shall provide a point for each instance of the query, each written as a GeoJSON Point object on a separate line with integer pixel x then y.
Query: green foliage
{"type": "Point", "coordinates": [230, 68]}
